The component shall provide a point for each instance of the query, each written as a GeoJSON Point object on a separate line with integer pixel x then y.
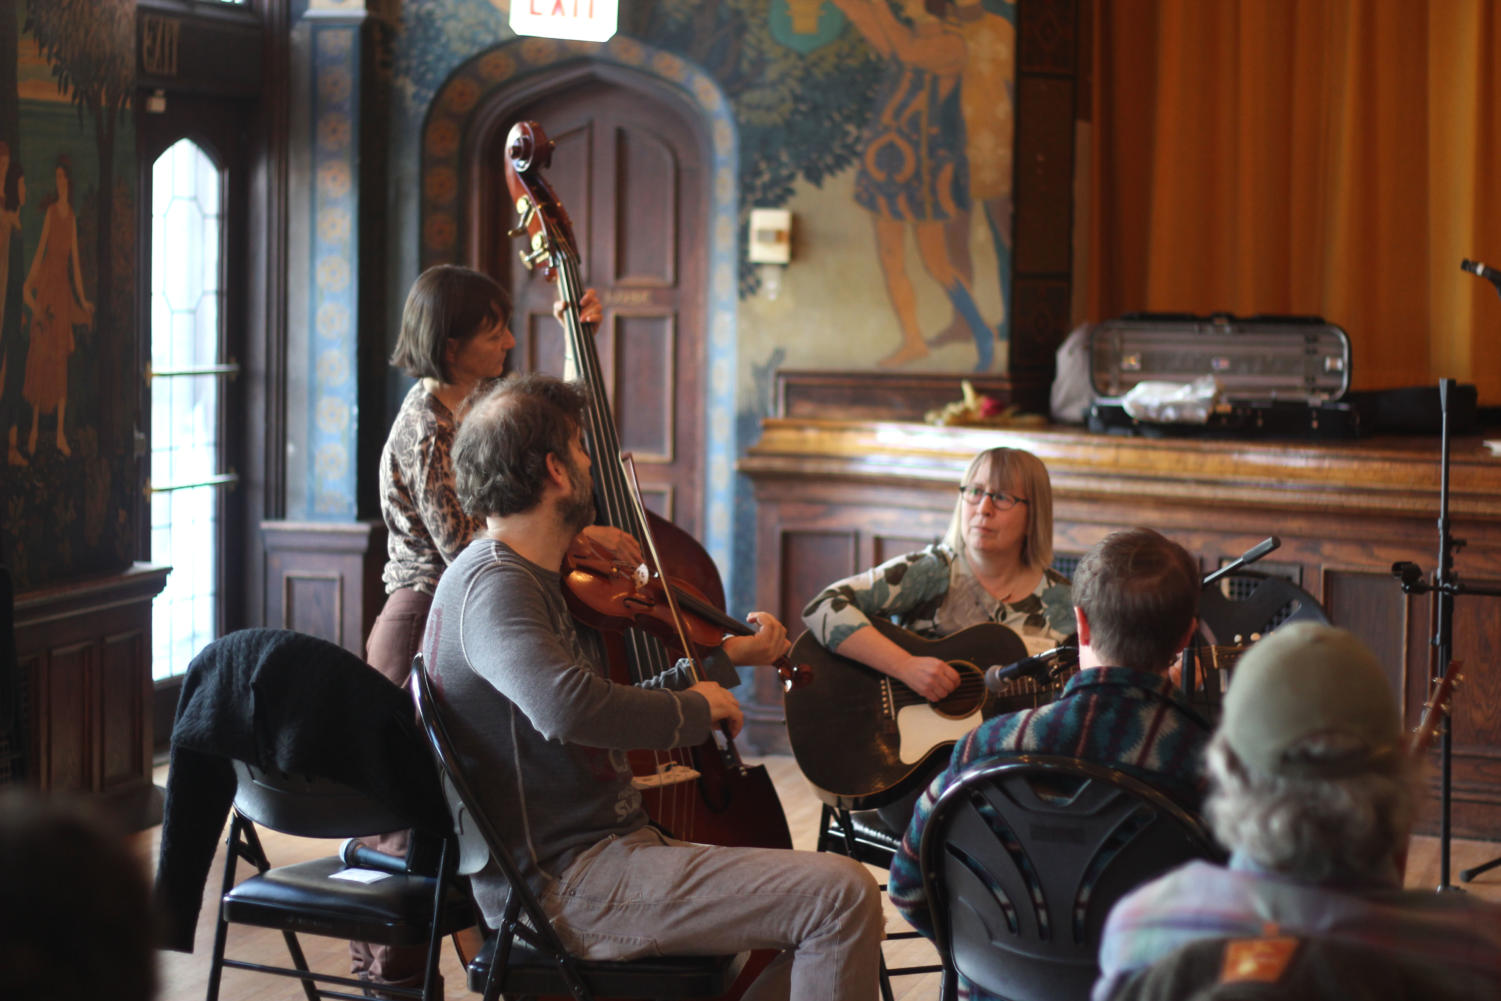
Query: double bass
{"type": "Point", "coordinates": [706, 793]}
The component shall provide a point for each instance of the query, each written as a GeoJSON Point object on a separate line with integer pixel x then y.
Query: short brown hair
{"type": "Point", "coordinates": [500, 453]}
{"type": "Point", "coordinates": [1140, 592]}
{"type": "Point", "coordinates": [1019, 470]}
{"type": "Point", "coordinates": [447, 303]}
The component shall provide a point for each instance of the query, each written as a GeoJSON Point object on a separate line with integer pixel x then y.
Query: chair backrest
{"type": "Point", "coordinates": [1022, 860]}
{"type": "Point", "coordinates": [464, 806]}
{"type": "Point", "coordinates": [1264, 603]}
{"type": "Point", "coordinates": [311, 807]}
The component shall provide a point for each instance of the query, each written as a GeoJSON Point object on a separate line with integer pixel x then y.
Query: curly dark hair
{"type": "Point", "coordinates": [500, 453]}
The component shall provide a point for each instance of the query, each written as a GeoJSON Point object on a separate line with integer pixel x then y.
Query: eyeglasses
{"type": "Point", "coordinates": [972, 494]}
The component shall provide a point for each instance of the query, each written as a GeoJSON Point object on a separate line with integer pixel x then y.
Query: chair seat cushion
{"type": "Point", "coordinates": [530, 971]}
{"type": "Point", "coordinates": [308, 897]}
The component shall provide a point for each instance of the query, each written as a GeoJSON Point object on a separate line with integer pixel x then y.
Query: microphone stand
{"type": "Point", "coordinates": [1246, 558]}
{"type": "Point", "coordinates": [1193, 664]}
{"type": "Point", "coordinates": [1444, 586]}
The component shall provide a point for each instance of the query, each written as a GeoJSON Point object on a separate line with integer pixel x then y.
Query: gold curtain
{"type": "Point", "coordinates": [1316, 157]}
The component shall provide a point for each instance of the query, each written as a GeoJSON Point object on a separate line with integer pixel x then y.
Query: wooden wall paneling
{"type": "Point", "coordinates": [806, 557]}
{"type": "Point", "coordinates": [1371, 605]}
{"type": "Point", "coordinates": [84, 649]}
{"type": "Point", "coordinates": [65, 710]}
{"type": "Point", "coordinates": [886, 547]}
{"type": "Point", "coordinates": [124, 700]}
{"type": "Point", "coordinates": [1475, 714]}
{"type": "Point", "coordinates": [803, 555]}
{"type": "Point", "coordinates": [324, 579]}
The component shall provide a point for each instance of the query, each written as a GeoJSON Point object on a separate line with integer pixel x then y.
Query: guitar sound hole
{"type": "Point", "coordinates": [968, 697]}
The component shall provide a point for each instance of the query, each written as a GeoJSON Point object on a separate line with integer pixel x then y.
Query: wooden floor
{"type": "Point", "coordinates": [184, 976]}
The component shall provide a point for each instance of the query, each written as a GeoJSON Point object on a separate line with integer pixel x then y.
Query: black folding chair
{"type": "Point", "coordinates": [1023, 859]}
{"type": "Point", "coordinates": [284, 731]}
{"type": "Point", "coordinates": [864, 837]}
{"type": "Point", "coordinates": [525, 956]}
{"type": "Point", "coordinates": [1249, 603]}
{"type": "Point", "coordinates": [1235, 612]}
{"type": "Point", "coordinates": [384, 899]}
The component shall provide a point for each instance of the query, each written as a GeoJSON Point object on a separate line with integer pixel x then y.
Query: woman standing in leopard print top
{"type": "Point", "coordinates": [454, 336]}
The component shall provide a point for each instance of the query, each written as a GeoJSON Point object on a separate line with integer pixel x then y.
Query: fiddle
{"type": "Point", "coordinates": [608, 590]}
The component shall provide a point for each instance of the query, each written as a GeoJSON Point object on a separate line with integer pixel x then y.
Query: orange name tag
{"type": "Point", "coordinates": [1257, 959]}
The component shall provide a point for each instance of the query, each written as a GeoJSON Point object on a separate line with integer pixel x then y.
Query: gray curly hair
{"type": "Point", "coordinates": [1317, 830]}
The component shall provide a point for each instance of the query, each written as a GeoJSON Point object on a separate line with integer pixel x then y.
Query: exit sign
{"type": "Point", "coordinates": [586, 20]}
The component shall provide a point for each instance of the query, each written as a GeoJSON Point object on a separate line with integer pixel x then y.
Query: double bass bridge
{"type": "Point", "coordinates": [668, 773]}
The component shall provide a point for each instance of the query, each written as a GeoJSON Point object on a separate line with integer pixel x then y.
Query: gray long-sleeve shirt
{"type": "Point", "coordinates": [538, 728]}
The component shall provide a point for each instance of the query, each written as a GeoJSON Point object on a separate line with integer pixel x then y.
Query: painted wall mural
{"type": "Point", "coordinates": [908, 101]}
{"type": "Point", "coordinates": [67, 288]}
{"type": "Point", "coordinates": [885, 126]}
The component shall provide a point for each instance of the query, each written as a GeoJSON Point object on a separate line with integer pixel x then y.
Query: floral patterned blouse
{"type": "Point", "coordinates": [427, 529]}
{"type": "Point", "coordinates": [933, 593]}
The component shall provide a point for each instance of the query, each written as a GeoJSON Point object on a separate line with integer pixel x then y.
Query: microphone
{"type": "Point", "coordinates": [1476, 268]}
{"type": "Point", "coordinates": [1251, 555]}
{"type": "Point", "coordinates": [998, 676]}
{"type": "Point", "coordinates": [360, 856]}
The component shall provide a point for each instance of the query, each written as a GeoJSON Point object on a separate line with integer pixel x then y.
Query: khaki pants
{"type": "Point", "coordinates": [645, 895]}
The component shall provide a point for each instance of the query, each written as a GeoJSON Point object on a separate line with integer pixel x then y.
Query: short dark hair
{"type": "Point", "coordinates": [64, 866]}
{"type": "Point", "coordinates": [447, 303]}
{"type": "Point", "coordinates": [500, 453]}
{"type": "Point", "coordinates": [1140, 592]}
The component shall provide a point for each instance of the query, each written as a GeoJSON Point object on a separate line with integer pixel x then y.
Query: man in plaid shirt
{"type": "Point", "coordinates": [1136, 599]}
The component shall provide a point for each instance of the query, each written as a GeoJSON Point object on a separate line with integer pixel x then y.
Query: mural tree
{"type": "Point", "coordinates": [799, 111]}
{"type": "Point", "coordinates": [89, 47]}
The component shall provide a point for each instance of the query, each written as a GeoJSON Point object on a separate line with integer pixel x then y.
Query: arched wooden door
{"type": "Point", "coordinates": [630, 170]}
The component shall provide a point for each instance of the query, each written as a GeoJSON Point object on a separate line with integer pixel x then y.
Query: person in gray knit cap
{"type": "Point", "coordinates": [1313, 792]}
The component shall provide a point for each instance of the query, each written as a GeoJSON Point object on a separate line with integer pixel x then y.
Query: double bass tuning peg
{"type": "Point", "coordinates": [525, 208]}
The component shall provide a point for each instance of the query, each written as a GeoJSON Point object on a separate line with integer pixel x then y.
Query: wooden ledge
{"type": "Point", "coordinates": [1385, 475]}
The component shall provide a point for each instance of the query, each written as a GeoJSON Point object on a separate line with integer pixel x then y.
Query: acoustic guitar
{"type": "Point", "coordinates": [864, 739]}
{"type": "Point", "coordinates": [1435, 710]}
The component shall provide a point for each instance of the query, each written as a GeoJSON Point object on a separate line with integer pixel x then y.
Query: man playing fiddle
{"type": "Point", "coordinates": [535, 717]}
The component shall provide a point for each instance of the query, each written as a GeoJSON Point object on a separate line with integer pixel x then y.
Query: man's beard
{"type": "Point", "coordinates": [577, 510]}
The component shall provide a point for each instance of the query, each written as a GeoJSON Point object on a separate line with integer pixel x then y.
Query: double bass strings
{"type": "Point", "coordinates": [646, 657]}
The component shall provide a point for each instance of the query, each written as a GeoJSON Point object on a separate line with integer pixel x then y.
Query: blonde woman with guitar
{"type": "Point", "coordinates": [992, 568]}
